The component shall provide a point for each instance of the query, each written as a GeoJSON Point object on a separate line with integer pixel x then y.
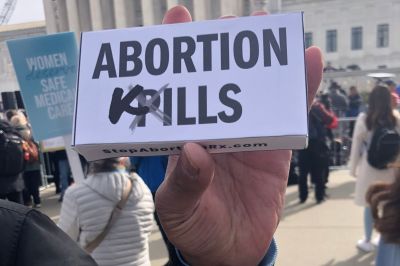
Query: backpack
{"type": "Point", "coordinates": [32, 152]}
{"type": "Point", "coordinates": [12, 160]}
{"type": "Point", "coordinates": [384, 147]}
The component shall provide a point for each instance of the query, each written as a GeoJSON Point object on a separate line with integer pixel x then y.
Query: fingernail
{"type": "Point", "coordinates": [188, 167]}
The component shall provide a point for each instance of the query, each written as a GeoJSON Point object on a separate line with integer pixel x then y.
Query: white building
{"type": "Point", "coordinates": [357, 32]}
{"type": "Point", "coordinates": [351, 33]}
{"type": "Point", "coordinates": [363, 33]}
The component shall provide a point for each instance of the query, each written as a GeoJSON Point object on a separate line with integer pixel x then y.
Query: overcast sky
{"type": "Point", "coordinates": [26, 11]}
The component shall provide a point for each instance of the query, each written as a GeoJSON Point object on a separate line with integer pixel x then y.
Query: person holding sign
{"type": "Point", "coordinates": [223, 209]}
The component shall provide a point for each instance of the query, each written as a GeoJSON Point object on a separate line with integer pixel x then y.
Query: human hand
{"type": "Point", "coordinates": [223, 209]}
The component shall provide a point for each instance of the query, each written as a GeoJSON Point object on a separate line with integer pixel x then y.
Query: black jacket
{"type": "Point", "coordinates": [31, 238]}
{"type": "Point", "coordinates": [10, 184]}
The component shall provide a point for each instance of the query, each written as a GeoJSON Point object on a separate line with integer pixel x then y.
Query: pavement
{"type": "Point", "coordinates": [309, 234]}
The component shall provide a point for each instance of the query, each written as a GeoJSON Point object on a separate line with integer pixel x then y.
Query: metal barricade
{"type": "Point", "coordinates": [341, 142]}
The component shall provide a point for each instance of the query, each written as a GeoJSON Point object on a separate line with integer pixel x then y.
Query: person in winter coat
{"type": "Point", "coordinates": [11, 187]}
{"type": "Point", "coordinates": [380, 113]}
{"type": "Point", "coordinates": [87, 207]}
{"type": "Point", "coordinates": [314, 160]}
{"type": "Point", "coordinates": [384, 199]}
{"type": "Point", "coordinates": [32, 173]}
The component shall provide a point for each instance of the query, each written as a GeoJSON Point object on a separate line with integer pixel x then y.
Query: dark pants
{"type": "Point", "coordinates": [32, 181]}
{"type": "Point", "coordinates": [14, 197]}
{"type": "Point", "coordinates": [170, 247]}
{"type": "Point", "coordinates": [313, 160]}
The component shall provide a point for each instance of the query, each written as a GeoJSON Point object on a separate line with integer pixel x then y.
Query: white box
{"type": "Point", "coordinates": [231, 85]}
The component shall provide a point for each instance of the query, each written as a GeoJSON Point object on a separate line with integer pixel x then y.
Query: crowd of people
{"type": "Point", "coordinates": [375, 144]}
{"type": "Point", "coordinates": [374, 176]}
{"type": "Point", "coordinates": [23, 178]}
{"type": "Point", "coordinates": [202, 203]}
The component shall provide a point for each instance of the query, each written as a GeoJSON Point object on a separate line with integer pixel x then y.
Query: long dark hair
{"type": "Point", "coordinates": [380, 111]}
{"type": "Point", "coordinates": [387, 197]}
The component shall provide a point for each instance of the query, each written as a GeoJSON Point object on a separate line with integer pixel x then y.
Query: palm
{"type": "Point", "coordinates": [223, 209]}
{"type": "Point", "coordinates": [236, 216]}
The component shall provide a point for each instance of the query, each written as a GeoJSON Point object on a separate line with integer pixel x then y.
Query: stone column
{"type": "Point", "coordinates": [152, 12]}
{"type": "Point", "coordinates": [56, 16]}
{"type": "Point", "coordinates": [85, 21]}
{"type": "Point", "coordinates": [172, 3]}
{"type": "Point", "coordinates": [73, 16]}
{"type": "Point", "coordinates": [230, 7]}
{"type": "Point", "coordinates": [50, 15]}
{"type": "Point", "coordinates": [148, 12]}
{"type": "Point", "coordinates": [126, 13]}
{"type": "Point", "coordinates": [201, 9]}
{"type": "Point", "coordinates": [95, 12]}
{"type": "Point", "coordinates": [107, 14]}
{"type": "Point", "coordinates": [274, 6]}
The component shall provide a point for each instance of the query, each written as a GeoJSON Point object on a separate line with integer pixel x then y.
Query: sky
{"type": "Point", "coordinates": [25, 11]}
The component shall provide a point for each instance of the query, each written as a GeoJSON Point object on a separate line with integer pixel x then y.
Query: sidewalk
{"type": "Point", "coordinates": [308, 235]}
{"type": "Point", "coordinates": [325, 234]}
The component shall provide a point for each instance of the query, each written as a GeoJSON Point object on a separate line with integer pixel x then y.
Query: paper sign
{"type": "Point", "coordinates": [46, 68]}
{"type": "Point", "coordinates": [230, 85]}
{"type": "Point", "coordinates": [53, 144]}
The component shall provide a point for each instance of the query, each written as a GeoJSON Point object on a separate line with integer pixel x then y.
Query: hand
{"type": "Point", "coordinates": [223, 209]}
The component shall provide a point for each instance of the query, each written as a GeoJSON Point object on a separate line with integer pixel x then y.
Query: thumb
{"type": "Point", "coordinates": [182, 189]}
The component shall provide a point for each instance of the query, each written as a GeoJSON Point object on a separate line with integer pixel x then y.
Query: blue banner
{"type": "Point", "coordinates": [46, 68]}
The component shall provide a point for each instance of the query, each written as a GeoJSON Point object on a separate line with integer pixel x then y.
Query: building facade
{"type": "Point", "coordinates": [358, 34]}
{"type": "Point", "coordinates": [353, 34]}
{"type": "Point", "coordinates": [8, 81]}
{"type": "Point", "coordinates": [86, 15]}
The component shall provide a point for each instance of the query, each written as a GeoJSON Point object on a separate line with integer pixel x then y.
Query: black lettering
{"type": "Point", "coordinates": [142, 99]}
{"type": "Point", "coordinates": [280, 50]}
{"type": "Point", "coordinates": [132, 150]}
{"type": "Point", "coordinates": [260, 145]}
{"type": "Point", "coordinates": [212, 147]}
{"type": "Point", "coordinates": [253, 49]}
{"type": "Point", "coordinates": [105, 52]}
{"type": "Point", "coordinates": [143, 150]}
{"type": "Point", "coordinates": [203, 118]}
{"type": "Point", "coordinates": [164, 56]}
{"type": "Point", "coordinates": [225, 51]}
{"type": "Point", "coordinates": [123, 151]}
{"type": "Point", "coordinates": [207, 40]}
{"type": "Point", "coordinates": [153, 149]}
{"type": "Point", "coordinates": [182, 119]}
{"type": "Point", "coordinates": [163, 149]}
{"type": "Point", "coordinates": [167, 107]}
{"type": "Point", "coordinates": [186, 56]}
{"type": "Point", "coordinates": [124, 58]}
{"type": "Point", "coordinates": [119, 105]}
{"type": "Point", "coordinates": [246, 145]}
{"type": "Point", "coordinates": [106, 151]}
{"type": "Point", "coordinates": [222, 146]}
{"type": "Point", "coordinates": [235, 105]}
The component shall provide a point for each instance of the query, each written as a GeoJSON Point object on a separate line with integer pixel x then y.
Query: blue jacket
{"type": "Point", "coordinates": [151, 169]}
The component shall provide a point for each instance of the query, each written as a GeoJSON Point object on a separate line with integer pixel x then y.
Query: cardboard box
{"type": "Point", "coordinates": [230, 85]}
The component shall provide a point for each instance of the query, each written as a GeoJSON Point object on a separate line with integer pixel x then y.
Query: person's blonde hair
{"type": "Point", "coordinates": [21, 123]}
